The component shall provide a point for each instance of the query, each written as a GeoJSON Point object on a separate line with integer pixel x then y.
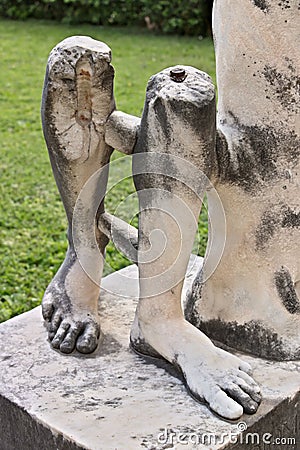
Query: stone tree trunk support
{"type": "Point", "coordinates": [251, 302]}
{"type": "Point", "coordinates": [173, 160]}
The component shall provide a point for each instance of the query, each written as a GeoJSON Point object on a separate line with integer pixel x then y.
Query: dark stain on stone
{"type": "Point", "coordinates": [222, 154]}
{"type": "Point", "coordinates": [255, 155]}
{"type": "Point", "coordinates": [5, 358]}
{"type": "Point", "coordinates": [192, 296]}
{"type": "Point", "coordinates": [114, 403]}
{"type": "Point", "coordinates": [265, 231]}
{"type": "Point", "coordinates": [284, 86]}
{"type": "Point", "coordinates": [164, 123]}
{"type": "Point", "coordinates": [290, 64]}
{"type": "Point", "coordinates": [284, 4]}
{"type": "Point", "coordinates": [142, 348]}
{"type": "Point", "coordinates": [151, 356]}
{"type": "Point", "coordinates": [291, 219]}
{"type": "Point", "coordinates": [261, 4]}
{"type": "Point", "coordinates": [251, 337]}
{"type": "Point", "coordinates": [202, 121]}
{"type": "Point", "coordinates": [286, 290]}
{"type": "Point", "coordinates": [149, 173]}
{"type": "Point", "coordinates": [274, 219]}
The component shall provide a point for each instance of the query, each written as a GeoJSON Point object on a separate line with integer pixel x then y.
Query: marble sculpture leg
{"type": "Point", "coordinates": [178, 125]}
{"type": "Point", "coordinates": [77, 99]}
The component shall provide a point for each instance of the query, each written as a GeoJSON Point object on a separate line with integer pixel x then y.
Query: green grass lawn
{"type": "Point", "coordinates": [32, 220]}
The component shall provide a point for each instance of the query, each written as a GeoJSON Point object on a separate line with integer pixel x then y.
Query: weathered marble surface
{"type": "Point", "coordinates": [252, 299]}
{"type": "Point", "coordinates": [113, 399]}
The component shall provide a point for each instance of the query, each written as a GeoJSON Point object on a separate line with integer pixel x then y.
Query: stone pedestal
{"type": "Point", "coordinates": [114, 399]}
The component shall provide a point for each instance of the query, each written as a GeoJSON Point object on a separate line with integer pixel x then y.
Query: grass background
{"type": "Point", "coordinates": [32, 219]}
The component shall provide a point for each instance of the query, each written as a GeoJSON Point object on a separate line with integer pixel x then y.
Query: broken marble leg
{"type": "Point", "coordinates": [77, 99]}
{"type": "Point", "coordinates": [172, 164]}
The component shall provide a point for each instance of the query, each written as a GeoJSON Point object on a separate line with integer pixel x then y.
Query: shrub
{"type": "Point", "coordinates": [192, 18]}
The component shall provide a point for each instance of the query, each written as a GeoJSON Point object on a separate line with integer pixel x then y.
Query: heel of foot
{"type": "Point", "coordinates": [140, 346]}
{"type": "Point", "coordinates": [138, 343]}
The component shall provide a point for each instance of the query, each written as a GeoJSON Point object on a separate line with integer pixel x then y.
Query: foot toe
{"type": "Point", "coordinates": [69, 342]}
{"type": "Point", "coordinates": [224, 405]}
{"type": "Point", "coordinates": [250, 381]}
{"type": "Point", "coordinates": [54, 324]}
{"type": "Point", "coordinates": [60, 334]}
{"type": "Point", "coordinates": [252, 390]}
{"type": "Point", "coordinates": [47, 310]}
{"type": "Point", "coordinates": [238, 394]}
{"type": "Point", "coordinates": [245, 367]}
{"type": "Point", "coordinates": [88, 340]}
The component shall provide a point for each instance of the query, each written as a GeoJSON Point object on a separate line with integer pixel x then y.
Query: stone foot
{"type": "Point", "coordinates": [70, 309]}
{"type": "Point", "coordinates": [212, 375]}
